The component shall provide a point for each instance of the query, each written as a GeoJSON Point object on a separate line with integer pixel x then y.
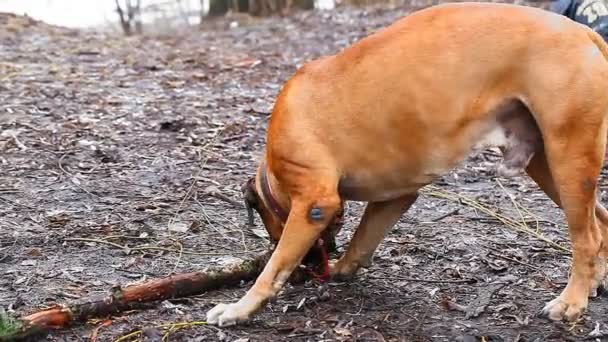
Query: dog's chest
{"type": "Point", "coordinates": [367, 186]}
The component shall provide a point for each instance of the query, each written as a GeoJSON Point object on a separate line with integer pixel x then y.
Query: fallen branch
{"type": "Point", "coordinates": [506, 220]}
{"type": "Point", "coordinates": [134, 297]}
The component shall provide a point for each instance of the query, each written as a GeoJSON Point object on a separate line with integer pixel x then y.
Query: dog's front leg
{"type": "Point", "coordinates": [306, 221]}
{"type": "Point", "coordinates": [378, 219]}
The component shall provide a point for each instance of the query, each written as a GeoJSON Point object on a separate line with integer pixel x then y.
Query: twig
{"type": "Point", "coordinates": [508, 221]}
{"type": "Point", "coordinates": [225, 198]}
{"type": "Point", "coordinates": [128, 249]}
{"type": "Point", "coordinates": [128, 237]}
{"type": "Point", "coordinates": [181, 253]}
{"type": "Point", "coordinates": [141, 248]}
{"type": "Point", "coordinates": [453, 212]}
{"type": "Point", "coordinates": [494, 220]}
{"type": "Point", "coordinates": [191, 188]}
{"type": "Point", "coordinates": [71, 176]}
{"type": "Point", "coordinates": [209, 219]}
{"type": "Point", "coordinates": [422, 319]}
{"type": "Point", "coordinates": [523, 220]}
{"type": "Point", "coordinates": [170, 328]}
{"type": "Point", "coordinates": [138, 273]}
{"type": "Point", "coordinates": [226, 228]}
{"type": "Point", "coordinates": [537, 219]}
{"type": "Point", "coordinates": [17, 203]}
{"type": "Point", "coordinates": [424, 280]}
{"type": "Point", "coordinates": [95, 333]}
{"type": "Point", "coordinates": [453, 306]}
{"type": "Point", "coordinates": [125, 248]}
{"type": "Point", "coordinates": [18, 142]}
{"type": "Point", "coordinates": [7, 249]}
{"type": "Point", "coordinates": [496, 253]}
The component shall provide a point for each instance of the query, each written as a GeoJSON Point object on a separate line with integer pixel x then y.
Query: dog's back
{"type": "Point", "coordinates": [430, 83]}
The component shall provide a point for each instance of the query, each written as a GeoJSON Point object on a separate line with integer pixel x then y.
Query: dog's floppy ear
{"type": "Point", "coordinates": [251, 200]}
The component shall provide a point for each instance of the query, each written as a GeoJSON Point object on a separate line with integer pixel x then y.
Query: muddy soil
{"type": "Point", "coordinates": [122, 159]}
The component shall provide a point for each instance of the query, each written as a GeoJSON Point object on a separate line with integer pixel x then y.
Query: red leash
{"type": "Point", "coordinates": [323, 277]}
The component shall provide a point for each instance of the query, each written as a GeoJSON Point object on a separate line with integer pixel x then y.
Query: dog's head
{"type": "Point", "coordinates": [252, 196]}
{"type": "Point", "coordinates": [259, 198]}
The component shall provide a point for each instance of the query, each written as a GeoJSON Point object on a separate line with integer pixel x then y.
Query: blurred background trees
{"type": "Point", "coordinates": [133, 13]}
{"type": "Point", "coordinates": [129, 14]}
{"type": "Point", "coordinates": [167, 16]}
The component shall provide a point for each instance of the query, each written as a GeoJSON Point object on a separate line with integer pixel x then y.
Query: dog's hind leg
{"type": "Point", "coordinates": [601, 279]}
{"type": "Point", "coordinates": [538, 170]}
{"type": "Point", "coordinates": [378, 219]}
{"type": "Point", "coordinates": [574, 157]}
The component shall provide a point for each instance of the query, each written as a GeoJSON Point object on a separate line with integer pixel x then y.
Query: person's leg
{"type": "Point", "coordinates": [560, 6]}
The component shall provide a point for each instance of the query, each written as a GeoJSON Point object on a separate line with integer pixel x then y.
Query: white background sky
{"type": "Point", "coordinates": [73, 13]}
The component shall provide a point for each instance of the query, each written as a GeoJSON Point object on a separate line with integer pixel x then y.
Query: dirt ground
{"type": "Point", "coordinates": [121, 159]}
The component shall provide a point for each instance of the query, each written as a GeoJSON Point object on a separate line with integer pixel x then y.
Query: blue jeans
{"type": "Point", "coordinates": [592, 13]}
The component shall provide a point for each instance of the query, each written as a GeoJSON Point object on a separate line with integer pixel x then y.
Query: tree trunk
{"type": "Point", "coordinates": [138, 24]}
{"type": "Point", "coordinates": [218, 7]}
{"type": "Point", "coordinates": [124, 22]}
{"type": "Point", "coordinates": [202, 13]}
{"type": "Point", "coordinates": [304, 4]}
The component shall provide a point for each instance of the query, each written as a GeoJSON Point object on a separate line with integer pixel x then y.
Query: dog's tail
{"type": "Point", "coordinates": [599, 41]}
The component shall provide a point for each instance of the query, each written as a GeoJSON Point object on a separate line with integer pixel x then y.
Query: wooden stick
{"type": "Point", "coordinates": [135, 296]}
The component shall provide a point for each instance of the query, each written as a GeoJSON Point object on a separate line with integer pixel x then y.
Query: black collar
{"type": "Point", "coordinates": [274, 206]}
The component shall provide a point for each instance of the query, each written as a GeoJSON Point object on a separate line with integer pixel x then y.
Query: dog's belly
{"type": "Point", "coordinates": [510, 127]}
{"type": "Point", "coordinates": [399, 177]}
{"type": "Point", "coordinates": [361, 188]}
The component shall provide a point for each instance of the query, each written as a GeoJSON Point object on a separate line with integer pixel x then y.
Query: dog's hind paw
{"type": "Point", "coordinates": [598, 288]}
{"type": "Point", "coordinates": [559, 309]}
{"type": "Point", "coordinates": [600, 281]}
{"type": "Point", "coordinates": [342, 271]}
{"type": "Point", "coordinates": [225, 315]}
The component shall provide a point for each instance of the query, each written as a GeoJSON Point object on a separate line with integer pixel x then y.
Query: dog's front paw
{"type": "Point", "coordinates": [224, 315]}
{"type": "Point", "coordinates": [563, 308]}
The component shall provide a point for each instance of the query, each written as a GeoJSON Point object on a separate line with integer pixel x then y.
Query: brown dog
{"type": "Point", "coordinates": [386, 116]}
